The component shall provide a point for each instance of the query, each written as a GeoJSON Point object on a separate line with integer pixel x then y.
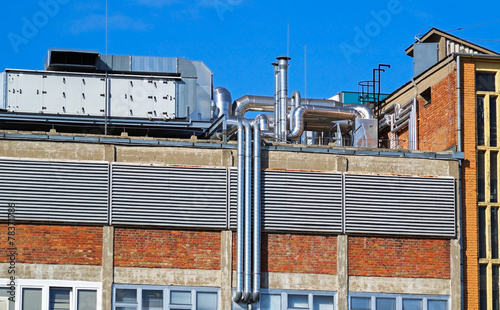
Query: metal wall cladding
{"type": "Point", "coordinates": [55, 191]}
{"type": "Point", "coordinates": [297, 201]}
{"type": "Point", "coordinates": [399, 205]}
{"type": "Point", "coordinates": [169, 196]}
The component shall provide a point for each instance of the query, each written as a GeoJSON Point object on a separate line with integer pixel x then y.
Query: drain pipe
{"type": "Point", "coordinates": [256, 214]}
{"type": "Point", "coordinates": [239, 226]}
{"type": "Point", "coordinates": [283, 95]}
{"type": "Point", "coordinates": [459, 149]}
{"type": "Point", "coordinates": [248, 214]}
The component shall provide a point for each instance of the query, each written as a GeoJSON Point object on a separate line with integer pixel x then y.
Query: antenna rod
{"type": "Point", "coordinates": [106, 100]}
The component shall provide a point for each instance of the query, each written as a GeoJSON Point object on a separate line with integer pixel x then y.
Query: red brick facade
{"type": "Point", "coordinates": [437, 121]}
{"type": "Point", "coordinates": [167, 248]}
{"type": "Point", "coordinates": [296, 253]}
{"type": "Point", "coordinates": [397, 257]}
{"type": "Point", "coordinates": [55, 244]}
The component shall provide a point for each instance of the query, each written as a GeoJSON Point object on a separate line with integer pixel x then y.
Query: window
{"type": "Point", "coordinates": [292, 300]}
{"type": "Point", "coordinates": [369, 301]}
{"type": "Point", "coordinates": [4, 299]}
{"type": "Point", "coordinates": [488, 150]}
{"type": "Point", "coordinates": [426, 95]}
{"type": "Point", "coordinates": [149, 297]}
{"type": "Point", "coordinates": [55, 295]}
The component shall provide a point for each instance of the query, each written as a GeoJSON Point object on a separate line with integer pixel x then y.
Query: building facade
{"type": "Point", "coordinates": [451, 104]}
{"type": "Point", "coordinates": [115, 222]}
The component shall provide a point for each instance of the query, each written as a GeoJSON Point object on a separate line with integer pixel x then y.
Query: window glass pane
{"type": "Point", "coordinates": [270, 302]}
{"type": "Point", "coordinates": [206, 301]}
{"type": "Point", "coordinates": [152, 300]}
{"type": "Point", "coordinates": [480, 176]}
{"type": "Point", "coordinates": [437, 305]}
{"type": "Point", "coordinates": [386, 304]}
{"type": "Point", "coordinates": [126, 295]}
{"type": "Point", "coordinates": [180, 298]}
{"type": "Point", "coordinates": [59, 298]}
{"type": "Point", "coordinates": [485, 81]}
{"type": "Point", "coordinates": [412, 304]}
{"type": "Point", "coordinates": [493, 177]}
{"type": "Point", "coordinates": [482, 232]}
{"type": "Point", "coordinates": [480, 120]}
{"type": "Point", "coordinates": [5, 292]}
{"type": "Point", "coordinates": [126, 308]}
{"type": "Point", "coordinates": [493, 121]}
{"type": "Point", "coordinates": [360, 303]}
{"type": "Point", "coordinates": [482, 287]}
{"type": "Point", "coordinates": [494, 232]}
{"type": "Point", "coordinates": [495, 279]}
{"type": "Point", "coordinates": [32, 299]}
{"type": "Point", "coordinates": [298, 301]}
{"type": "Point", "coordinates": [87, 300]}
{"type": "Point", "coordinates": [322, 302]}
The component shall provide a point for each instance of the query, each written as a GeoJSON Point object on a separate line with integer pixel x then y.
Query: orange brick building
{"type": "Point", "coordinates": [451, 104]}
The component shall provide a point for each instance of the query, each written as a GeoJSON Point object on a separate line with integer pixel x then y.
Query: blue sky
{"type": "Point", "coordinates": [238, 39]}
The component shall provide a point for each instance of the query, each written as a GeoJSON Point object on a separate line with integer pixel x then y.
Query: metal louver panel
{"type": "Point", "coordinates": [400, 205]}
{"type": "Point", "coordinates": [168, 196]}
{"type": "Point", "coordinates": [297, 201]}
{"type": "Point", "coordinates": [55, 191]}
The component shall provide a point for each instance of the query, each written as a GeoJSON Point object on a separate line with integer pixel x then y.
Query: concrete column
{"type": "Point", "coordinates": [107, 271]}
{"type": "Point", "coordinates": [455, 284]}
{"type": "Point", "coordinates": [342, 272]}
{"type": "Point", "coordinates": [226, 268]}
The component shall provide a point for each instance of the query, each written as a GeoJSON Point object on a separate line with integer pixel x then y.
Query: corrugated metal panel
{"type": "Point", "coordinates": [400, 205]}
{"type": "Point", "coordinates": [168, 196]}
{"type": "Point", "coordinates": [55, 191]}
{"type": "Point", "coordinates": [297, 201]}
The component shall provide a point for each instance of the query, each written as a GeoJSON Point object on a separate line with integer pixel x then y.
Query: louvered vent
{"type": "Point", "coordinates": [400, 205]}
{"type": "Point", "coordinates": [55, 191]}
{"type": "Point", "coordinates": [297, 201]}
{"type": "Point", "coordinates": [169, 196]}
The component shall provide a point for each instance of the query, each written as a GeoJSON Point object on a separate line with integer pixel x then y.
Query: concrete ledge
{"type": "Point", "coordinates": [399, 285]}
{"type": "Point", "coordinates": [299, 281]}
{"type": "Point", "coordinates": [164, 276]}
{"type": "Point", "coordinates": [53, 272]}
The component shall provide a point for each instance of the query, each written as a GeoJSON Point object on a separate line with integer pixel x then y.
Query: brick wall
{"type": "Point", "coordinates": [397, 257]}
{"type": "Point", "coordinates": [469, 183]}
{"type": "Point", "coordinates": [296, 253]}
{"type": "Point", "coordinates": [55, 244]}
{"type": "Point", "coordinates": [437, 125]}
{"type": "Point", "coordinates": [167, 248]}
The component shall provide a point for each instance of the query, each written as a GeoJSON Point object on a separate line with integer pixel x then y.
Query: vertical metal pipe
{"type": "Point", "coordinates": [248, 214]}
{"type": "Point", "coordinates": [276, 101]}
{"type": "Point", "coordinates": [239, 217]}
{"type": "Point", "coordinates": [256, 213]}
{"type": "Point", "coordinates": [459, 149]}
{"type": "Point", "coordinates": [295, 104]}
{"type": "Point", "coordinates": [283, 95]}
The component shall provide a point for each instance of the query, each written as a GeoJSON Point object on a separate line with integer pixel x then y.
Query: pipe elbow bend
{"type": "Point", "coordinates": [255, 296]}
{"type": "Point", "coordinates": [237, 296]}
{"type": "Point", "coordinates": [246, 297]}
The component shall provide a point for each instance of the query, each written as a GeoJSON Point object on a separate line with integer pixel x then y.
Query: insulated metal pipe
{"type": "Point", "coordinates": [239, 217]}
{"type": "Point", "coordinates": [295, 105]}
{"type": "Point", "coordinates": [283, 95]}
{"type": "Point", "coordinates": [276, 101]}
{"type": "Point", "coordinates": [256, 213]}
{"type": "Point", "coordinates": [248, 214]}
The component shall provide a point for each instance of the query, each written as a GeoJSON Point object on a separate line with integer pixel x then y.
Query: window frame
{"type": "Point", "coordinates": [45, 286]}
{"type": "Point", "coordinates": [283, 293]}
{"type": "Point", "coordinates": [425, 298]}
{"type": "Point", "coordinates": [166, 289]}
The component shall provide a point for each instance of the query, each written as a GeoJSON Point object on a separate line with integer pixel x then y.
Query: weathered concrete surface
{"type": "Point", "coordinates": [299, 161]}
{"type": "Point", "coordinates": [455, 285]}
{"type": "Point", "coordinates": [342, 272]}
{"type": "Point", "coordinates": [107, 274]}
{"type": "Point", "coordinates": [226, 263]}
{"type": "Point", "coordinates": [54, 272]}
{"type": "Point", "coordinates": [51, 150]}
{"type": "Point", "coordinates": [175, 156]}
{"type": "Point", "coordinates": [399, 285]}
{"type": "Point", "coordinates": [164, 276]}
{"type": "Point", "coordinates": [299, 281]}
